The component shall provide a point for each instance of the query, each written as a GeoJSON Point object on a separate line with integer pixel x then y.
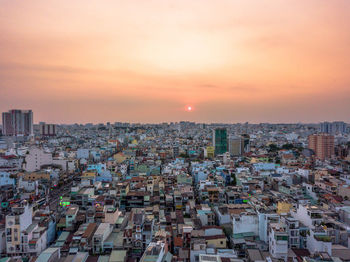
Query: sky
{"type": "Point", "coordinates": [147, 61]}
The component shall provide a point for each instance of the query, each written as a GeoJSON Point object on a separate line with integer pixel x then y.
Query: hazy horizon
{"type": "Point", "coordinates": [112, 122]}
{"type": "Point", "coordinates": [255, 61]}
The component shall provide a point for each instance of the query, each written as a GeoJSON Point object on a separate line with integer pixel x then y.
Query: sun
{"type": "Point", "coordinates": [189, 108]}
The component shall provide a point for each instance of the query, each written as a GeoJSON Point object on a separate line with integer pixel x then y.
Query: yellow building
{"type": "Point", "coordinates": [88, 175]}
{"type": "Point", "coordinates": [283, 207]}
{"type": "Point", "coordinates": [36, 176]}
{"type": "Point", "coordinates": [120, 157]}
{"type": "Point", "coordinates": [218, 241]}
{"type": "Point", "coordinates": [210, 151]}
{"type": "Point", "coordinates": [125, 188]}
{"type": "Point", "coordinates": [254, 160]}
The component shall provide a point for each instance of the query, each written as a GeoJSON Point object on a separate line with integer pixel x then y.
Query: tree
{"type": "Point", "coordinates": [300, 148]}
{"type": "Point", "coordinates": [288, 146]}
{"type": "Point", "coordinates": [227, 231]}
{"type": "Point", "coordinates": [273, 148]}
{"type": "Point", "coordinates": [183, 155]}
{"type": "Point", "coordinates": [13, 176]}
{"type": "Point", "coordinates": [233, 179]}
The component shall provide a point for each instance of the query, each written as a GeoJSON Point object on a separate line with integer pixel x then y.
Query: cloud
{"type": "Point", "coordinates": [47, 68]}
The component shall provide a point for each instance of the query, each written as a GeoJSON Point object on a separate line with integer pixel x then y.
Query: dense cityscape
{"type": "Point", "coordinates": [179, 191]}
{"type": "Point", "coordinates": [175, 131]}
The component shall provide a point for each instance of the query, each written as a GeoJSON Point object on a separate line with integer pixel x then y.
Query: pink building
{"type": "Point", "coordinates": [322, 145]}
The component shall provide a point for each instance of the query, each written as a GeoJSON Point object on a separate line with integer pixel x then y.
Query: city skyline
{"type": "Point", "coordinates": [321, 123]}
{"type": "Point", "coordinates": [149, 62]}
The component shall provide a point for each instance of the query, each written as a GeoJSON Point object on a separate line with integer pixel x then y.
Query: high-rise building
{"type": "Point", "coordinates": [220, 140]}
{"type": "Point", "coordinates": [333, 128]}
{"type": "Point", "coordinates": [17, 122]}
{"type": "Point", "coordinates": [47, 129]}
{"type": "Point", "coordinates": [176, 151]}
{"type": "Point", "coordinates": [246, 142]}
{"type": "Point", "coordinates": [322, 145]}
{"type": "Point", "coordinates": [236, 145]}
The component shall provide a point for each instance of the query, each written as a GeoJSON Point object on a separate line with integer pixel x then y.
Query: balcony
{"type": "Point", "coordinates": [281, 238]}
{"type": "Point", "coordinates": [323, 238]}
{"type": "Point", "coordinates": [316, 216]}
{"type": "Point", "coordinates": [292, 226]}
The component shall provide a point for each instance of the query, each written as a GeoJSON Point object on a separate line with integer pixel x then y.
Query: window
{"type": "Point", "coordinates": [281, 237]}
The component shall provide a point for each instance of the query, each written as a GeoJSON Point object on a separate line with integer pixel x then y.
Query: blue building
{"type": "Point", "coordinates": [5, 179]}
{"type": "Point", "coordinates": [98, 167]}
{"type": "Point", "coordinates": [104, 176]}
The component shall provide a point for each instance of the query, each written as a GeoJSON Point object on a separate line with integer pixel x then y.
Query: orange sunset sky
{"type": "Point", "coordinates": [147, 61]}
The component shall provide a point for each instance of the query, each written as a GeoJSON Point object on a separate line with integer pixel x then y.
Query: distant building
{"type": "Point", "coordinates": [6, 179]}
{"type": "Point", "coordinates": [220, 140]}
{"type": "Point", "coordinates": [322, 145]}
{"type": "Point", "coordinates": [246, 142]}
{"type": "Point", "coordinates": [209, 152]}
{"type": "Point", "coordinates": [236, 145]}
{"type": "Point", "coordinates": [333, 128]}
{"type": "Point", "coordinates": [47, 129]}
{"type": "Point", "coordinates": [36, 158]}
{"type": "Point", "coordinates": [176, 151]}
{"type": "Point", "coordinates": [17, 122]}
{"type": "Point", "coordinates": [83, 153]}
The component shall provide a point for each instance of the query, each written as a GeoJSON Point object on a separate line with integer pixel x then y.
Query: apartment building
{"type": "Point", "coordinates": [278, 241]}
{"type": "Point", "coordinates": [102, 233]}
{"type": "Point", "coordinates": [322, 145]}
